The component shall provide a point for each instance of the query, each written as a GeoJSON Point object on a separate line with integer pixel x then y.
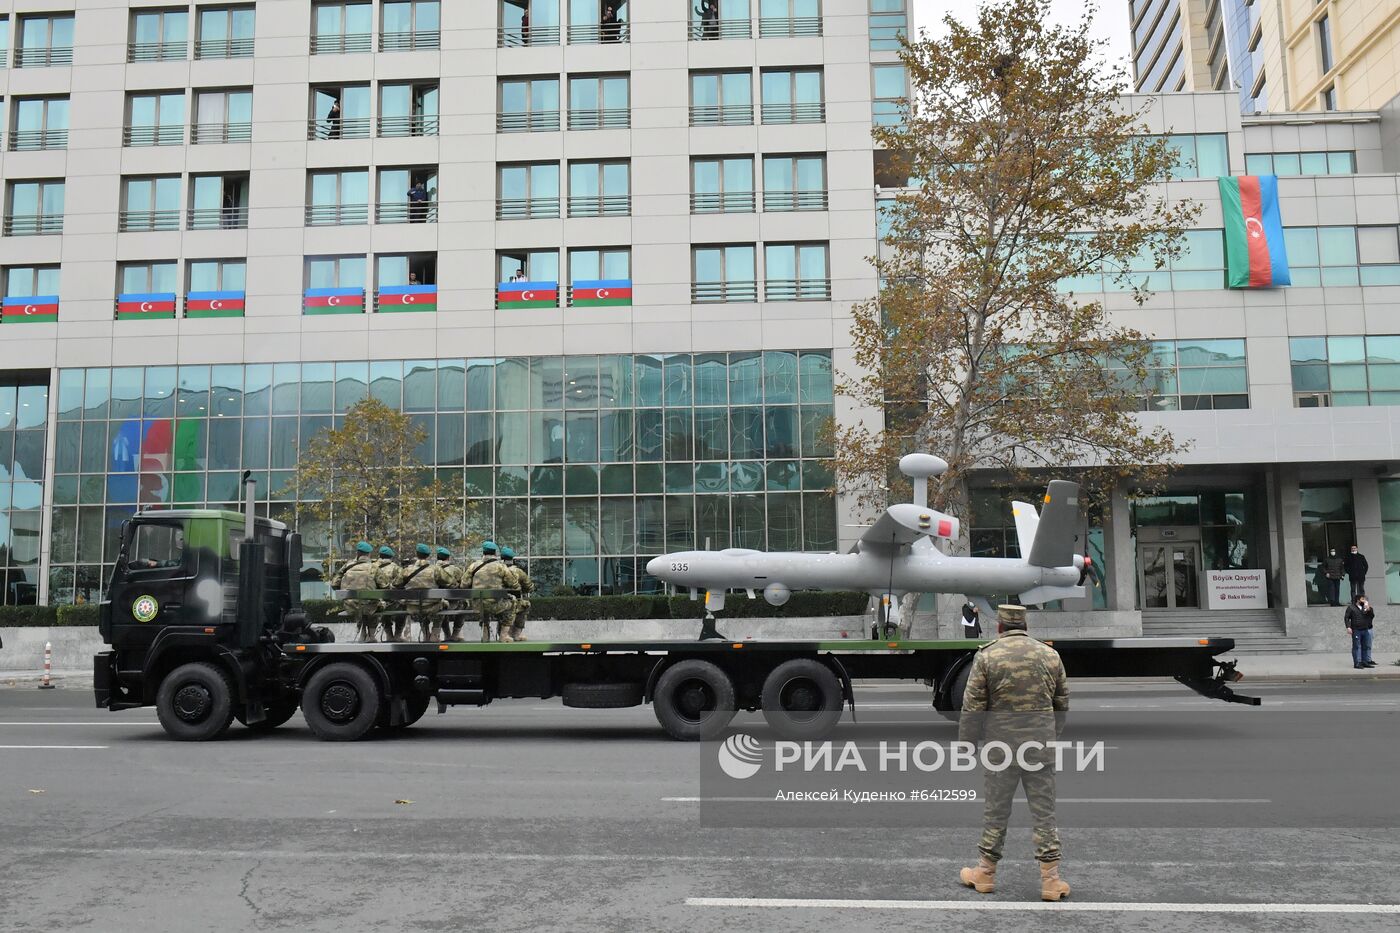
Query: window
{"type": "Point", "coordinates": [158, 35]}
{"type": "Point", "coordinates": [1192, 375]}
{"type": "Point", "coordinates": [1322, 255]}
{"type": "Point", "coordinates": [593, 21]}
{"type": "Point", "coordinates": [723, 98]}
{"type": "Point", "coordinates": [44, 41]}
{"type": "Point", "coordinates": [1205, 155]}
{"type": "Point", "coordinates": [1329, 98]}
{"type": "Point", "coordinates": [155, 119]}
{"type": "Point", "coordinates": [785, 18]}
{"type": "Point", "coordinates": [1324, 45]}
{"type": "Point", "coordinates": [339, 112]}
{"type": "Point", "coordinates": [528, 22]}
{"type": "Point", "coordinates": [410, 24]}
{"type": "Point", "coordinates": [795, 272]}
{"type": "Point", "coordinates": [408, 109]}
{"type": "Point", "coordinates": [599, 102]}
{"type": "Point", "coordinates": [1390, 532]}
{"type": "Point", "coordinates": [31, 281]}
{"type": "Point", "coordinates": [1378, 250]}
{"type": "Point", "coordinates": [337, 197]}
{"type": "Point", "coordinates": [889, 20]}
{"type": "Point", "coordinates": [719, 19]}
{"type": "Point", "coordinates": [397, 270]}
{"type": "Point", "coordinates": [225, 32]}
{"type": "Point", "coordinates": [889, 87]}
{"type": "Point", "coordinates": [540, 265]}
{"type": "Point", "coordinates": [596, 265]}
{"type": "Point", "coordinates": [794, 183]}
{"type": "Point", "coordinates": [407, 195]}
{"type": "Point", "coordinates": [147, 278]}
{"type": "Point", "coordinates": [35, 208]}
{"type": "Point", "coordinates": [600, 189]}
{"type": "Point", "coordinates": [223, 117]}
{"type": "Point", "coordinates": [150, 204]}
{"type": "Point", "coordinates": [335, 272]}
{"type": "Point", "coordinates": [1345, 370]}
{"type": "Point", "coordinates": [218, 202]}
{"type": "Point", "coordinates": [40, 123]}
{"type": "Point", "coordinates": [1300, 163]}
{"type": "Point", "coordinates": [217, 275]}
{"type": "Point", "coordinates": [723, 273]}
{"type": "Point", "coordinates": [1201, 266]}
{"type": "Point", "coordinates": [1329, 523]}
{"type": "Point", "coordinates": [341, 27]}
{"type": "Point", "coordinates": [527, 191]}
{"type": "Point", "coordinates": [157, 547]}
{"type": "Point", "coordinates": [528, 105]}
{"type": "Point", "coordinates": [721, 185]}
{"type": "Point", "coordinates": [793, 96]}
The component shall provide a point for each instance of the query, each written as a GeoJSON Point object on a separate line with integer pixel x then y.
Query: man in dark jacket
{"type": "Point", "coordinates": [1356, 568]}
{"type": "Point", "coordinates": [971, 621]}
{"type": "Point", "coordinates": [1333, 568]}
{"type": "Point", "coordinates": [1360, 616]}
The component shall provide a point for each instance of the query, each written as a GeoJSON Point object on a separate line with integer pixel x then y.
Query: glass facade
{"type": "Point", "coordinates": [24, 412]}
{"type": "Point", "coordinates": [587, 464]}
{"type": "Point", "coordinates": [1329, 523]}
{"type": "Point", "coordinates": [1353, 370]}
{"type": "Point", "coordinates": [1192, 375]}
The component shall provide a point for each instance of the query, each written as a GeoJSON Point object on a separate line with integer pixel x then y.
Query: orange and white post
{"type": "Point", "coordinates": [45, 683]}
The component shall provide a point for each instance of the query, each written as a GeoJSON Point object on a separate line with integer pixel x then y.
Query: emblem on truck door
{"type": "Point", "coordinates": [145, 608]}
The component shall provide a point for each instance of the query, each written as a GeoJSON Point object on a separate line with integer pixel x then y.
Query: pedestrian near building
{"type": "Point", "coordinates": [1333, 568]}
{"type": "Point", "coordinates": [1360, 618]}
{"type": "Point", "coordinates": [1356, 567]}
{"type": "Point", "coordinates": [358, 574]}
{"type": "Point", "coordinates": [1016, 693]}
{"type": "Point", "coordinates": [971, 620]}
{"type": "Point", "coordinates": [489, 573]}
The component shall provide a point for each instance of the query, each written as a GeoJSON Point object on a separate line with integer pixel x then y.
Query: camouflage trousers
{"type": "Point", "coordinates": [1040, 796]}
{"type": "Point", "coordinates": [425, 613]}
{"type": "Point", "coordinates": [362, 612]}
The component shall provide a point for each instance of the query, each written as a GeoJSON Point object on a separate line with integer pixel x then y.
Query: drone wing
{"type": "Point", "coordinates": [901, 525]}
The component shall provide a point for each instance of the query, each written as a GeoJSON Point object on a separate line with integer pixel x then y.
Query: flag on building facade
{"type": "Point", "coordinates": [1255, 256]}
{"type": "Point", "coordinates": [214, 304]}
{"type": "Point", "coordinates": [396, 298]}
{"type": "Point", "coordinates": [131, 305]}
{"type": "Point", "coordinates": [31, 309]}
{"type": "Point", "coordinates": [527, 295]}
{"type": "Point", "coordinates": [601, 293]}
{"type": "Point", "coordinates": [334, 301]}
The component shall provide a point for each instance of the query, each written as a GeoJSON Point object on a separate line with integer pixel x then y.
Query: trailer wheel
{"type": "Point", "coordinates": [195, 702]}
{"type": "Point", "coordinates": [602, 696]}
{"type": "Point", "coordinates": [694, 700]}
{"type": "Point", "coordinates": [341, 702]}
{"type": "Point", "coordinates": [277, 714]}
{"type": "Point", "coordinates": [802, 699]}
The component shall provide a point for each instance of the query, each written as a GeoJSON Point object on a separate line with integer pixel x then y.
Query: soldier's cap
{"type": "Point", "coordinates": [422, 550]}
{"type": "Point", "coordinates": [364, 547]}
{"type": "Point", "coordinates": [488, 547]}
{"type": "Point", "coordinates": [1011, 616]}
{"type": "Point", "coordinates": [385, 551]}
{"type": "Point", "coordinates": [444, 553]}
{"type": "Point", "coordinates": [507, 553]}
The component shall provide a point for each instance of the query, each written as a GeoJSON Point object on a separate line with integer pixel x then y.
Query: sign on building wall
{"type": "Point", "coordinates": [1236, 589]}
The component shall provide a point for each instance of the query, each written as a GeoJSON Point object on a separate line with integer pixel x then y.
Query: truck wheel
{"type": "Point", "coordinates": [949, 703]}
{"type": "Point", "coordinates": [195, 702]}
{"type": "Point", "coordinates": [278, 712]}
{"type": "Point", "coordinates": [602, 696]}
{"type": "Point", "coordinates": [802, 699]}
{"type": "Point", "coordinates": [694, 700]}
{"type": "Point", "coordinates": [341, 702]}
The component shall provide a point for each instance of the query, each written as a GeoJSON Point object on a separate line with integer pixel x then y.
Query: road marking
{"type": "Point", "coordinates": [1081, 906]}
{"type": "Point", "coordinates": [54, 746]}
{"type": "Point", "coordinates": [109, 723]}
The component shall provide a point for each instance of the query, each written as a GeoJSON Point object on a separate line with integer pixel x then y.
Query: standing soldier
{"type": "Point", "coordinates": [422, 574]}
{"type": "Point", "coordinates": [358, 574]}
{"type": "Point", "coordinates": [451, 576]}
{"type": "Point", "coordinates": [1016, 694]}
{"type": "Point", "coordinates": [523, 587]}
{"type": "Point", "coordinates": [488, 573]}
{"type": "Point", "coordinates": [387, 576]}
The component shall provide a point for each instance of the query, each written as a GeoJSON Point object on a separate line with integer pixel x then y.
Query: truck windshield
{"type": "Point", "coordinates": [157, 546]}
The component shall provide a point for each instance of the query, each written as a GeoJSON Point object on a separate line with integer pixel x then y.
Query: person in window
{"type": "Point", "coordinates": [333, 120]}
{"type": "Point", "coordinates": [418, 203]}
{"type": "Point", "coordinates": [612, 27]}
{"type": "Point", "coordinates": [708, 11]}
{"type": "Point", "coordinates": [229, 215]}
{"type": "Point", "coordinates": [518, 275]}
{"type": "Point", "coordinates": [413, 278]}
{"type": "Point", "coordinates": [525, 27]}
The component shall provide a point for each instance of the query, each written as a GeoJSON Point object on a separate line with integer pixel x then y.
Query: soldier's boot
{"type": "Point", "coordinates": [1051, 887]}
{"type": "Point", "coordinates": [486, 631]}
{"type": "Point", "coordinates": [982, 877]}
{"type": "Point", "coordinates": [503, 632]}
{"type": "Point", "coordinates": [517, 633]}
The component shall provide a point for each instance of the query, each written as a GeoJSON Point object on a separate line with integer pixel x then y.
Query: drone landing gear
{"type": "Point", "coordinates": [707, 628]}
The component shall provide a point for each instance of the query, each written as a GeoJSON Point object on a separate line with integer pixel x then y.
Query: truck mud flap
{"type": "Point", "coordinates": [1217, 687]}
{"type": "Point", "coordinates": [102, 678]}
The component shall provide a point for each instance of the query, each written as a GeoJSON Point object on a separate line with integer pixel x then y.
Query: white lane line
{"type": "Point", "coordinates": [1072, 906]}
{"type": "Point", "coordinates": [54, 746]}
{"type": "Point", "coordinates": [79, 723]}
{"type": "Point", "coordinates": [1157, 800]}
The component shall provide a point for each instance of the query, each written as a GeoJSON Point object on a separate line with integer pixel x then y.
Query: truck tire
{"type": "Point", "coordinates": [277, 714]}
{"type": "Point", "coordinates": [341, 702]}
{"type": "Point", "coordinates": [802, 699]}
{"type": "Point", "coordinates": [195, 702]}
{"type": "Point", "coordinates": [949, 703]}
{"type": "Point", "coordinates": [602, 696]}
{"type": "Point", "coordinates": [694, 700]}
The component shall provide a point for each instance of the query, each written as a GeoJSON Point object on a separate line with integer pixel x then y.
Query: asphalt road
{"type": "Point", "coordinates": [528, 816]}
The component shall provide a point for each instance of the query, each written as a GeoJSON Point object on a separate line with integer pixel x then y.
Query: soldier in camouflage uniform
{"type": "Point", "coordinates": [523, 587]}
{"type": "Point", "coordinates": [488, 573]}
{"type": "Point", "coordinates": [1016, 693]}
{"type": "Point", "coordinates": [387, 576]}
{"type": "Point", "coordinates": [358, 574]}
{"type": "Point", "coordinates": [423, 574]}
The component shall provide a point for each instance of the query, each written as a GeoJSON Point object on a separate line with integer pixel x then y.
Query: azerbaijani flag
{"type": "Point", "coordinates": [131, 305]}
{"type": "Point", "coordinates": [395, 298]}
{"type": "Point", "coordinates": [31, 309]}
{"type": "Point", "coordinates": [334, 301]}
{"type": "Point", "coordinates": [527, 295]}
{"type": "Point", "coordinates": [601, 293]}
{"type": "Point", "coordinates": [1254, 252]}
{"type": "Point", "coordinates": [214, 304]}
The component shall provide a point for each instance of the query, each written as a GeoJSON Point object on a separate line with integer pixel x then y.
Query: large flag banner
{"type": "Point", "coordinates": [214, 304]}
{"type": "Point", "coordinates": [131, 305]}
{"type": "Point", "coordinates": [602, 293]}
{"type": "Point", "coordinates": [1254, 251]}
{"type": "Point", "coordinates": [334, 301]}
{"type": "Point", "coordinates": [395, 298]}
{"type": "Point", "coordinates": [524, 294]}
{"type": "Point", "coordinates": [32, 309]}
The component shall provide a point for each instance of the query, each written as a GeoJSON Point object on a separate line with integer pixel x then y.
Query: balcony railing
{"type": "Point", "coordinates": [421, 124]}
{"type": "Point", "coordinates": [726, 202]}
{"type": "Point", "coordinates": [156, 51]}
{"type": "Point", "coordinates": [147, 221]}
{"type": "Point", "coordinates": [217, 218]}
{"type": "Point", "coordinates": [796, 289]}
{"type": "Point", "coordinates": [410, 41]}
{"type": "Point", "coordinates": [171, 135]}
{"type": "Point", "coordinates": [595, 33]}
{"type": "Point", "coordinates": [340, 43]}
{"type": "Point", "coordinates": [344, 128]}
{"type": "Point", "coordinates": [224, 48]}
{"type": "Point", "coordinates": [703, 292]}
{"type": "Point", "coordinates": [33, 224]}
{"type": "Point", "coordinates": [45, 57]}
{"type": "Point", "coordinates": [776, 27]}
{"type": "Point", "coordinates": [26, 140]}
{"type": "Point", "coordinates": [536, 121]}
{"type": "Point", "coordinates": [336, 215]}
{"type": "Point", "coordinates": [608, 118]}
{"type": "Point", "coordinates": [721, 115]}
{"type": "Point", "coordinates": [794, 200]}
{"type": "Point", "coordinates": [405, 212]}
{"type": "Point", "coordinates": [721, 29]}
{"type": "Point", "coordinates": [527, 208]}
{"type": "Point", "coordinates": [814, 112]}
{"type": "Point", "coordinates": [603, 205]}
{"type": "Point", "coordinates": [206, 133]}
{"type": "Point", "coordinates": [516, 37]}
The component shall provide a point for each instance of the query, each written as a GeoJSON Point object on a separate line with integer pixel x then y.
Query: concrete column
{"type": "Point", "coordinates": [1366, 502]}
{"type": "Point", "coordinates": [1286, 526]}
{"type": "Point", "coordinates": [1120, 576]}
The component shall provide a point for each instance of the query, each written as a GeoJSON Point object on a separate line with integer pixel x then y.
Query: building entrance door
{"type": "Point", "coordinates": [1168, 575]}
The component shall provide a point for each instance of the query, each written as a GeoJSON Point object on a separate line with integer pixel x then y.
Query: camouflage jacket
{"type": "Point", "coordinates": [422, 574]}
{"type": "Point", "coordinates": [357, 574]}
{"type": "Point", "coordinates": [387, 574]}
{"type": "Point", "coordinates": [523, 584]}
{"type": "Point", "coordinates": [1015, 691]}
{"type": "Point", "coordinates": [450, 575]}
